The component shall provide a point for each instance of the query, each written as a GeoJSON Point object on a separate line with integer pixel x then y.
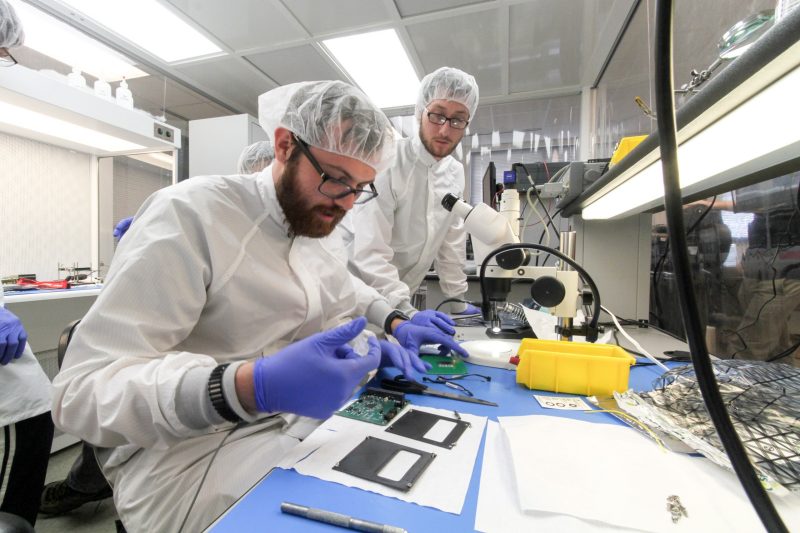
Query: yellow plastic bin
{"type": "Point", "coordinates": [573, 367]}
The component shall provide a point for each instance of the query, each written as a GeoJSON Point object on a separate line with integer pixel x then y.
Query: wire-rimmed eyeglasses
{"type": "Point", "coordinates": [334, 188]}
{"type": "Point", "coordinates": [439, 119]}
{"type": "Point", "coordinates": [6, 59]}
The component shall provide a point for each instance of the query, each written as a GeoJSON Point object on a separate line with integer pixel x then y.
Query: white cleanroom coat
{"type": "Point", "coordinates": [206, 275]}
{"type": "Point", "coordinates": [24, 387]}
{"type": "Point", "coordinates": [398, 235]}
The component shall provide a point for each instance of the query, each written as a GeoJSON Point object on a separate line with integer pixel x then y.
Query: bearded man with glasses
{"type": "Point", "coordinates": [400, 235]}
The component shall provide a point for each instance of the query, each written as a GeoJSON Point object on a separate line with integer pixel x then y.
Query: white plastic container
{"type": "Point", "coordinates": [124, 95]}
{"type": "Point", "coordinates": [75, 79]}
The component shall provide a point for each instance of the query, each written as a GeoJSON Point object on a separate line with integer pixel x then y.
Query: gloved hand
{"type": "Point", "coordinates": [436, 319]}
{"type": "Point", "coordinates": [405, 360]}
{"type": "Point", "coordinates": [315, 376]}
{"type": "Point", "coordinates": [122, 227]}
{"type": "Point", "coordinates": [470, 310]}
{"type": "Point", "coordinates": [12, 336]}
{"type": "Point", "coordinates": [411, 336]}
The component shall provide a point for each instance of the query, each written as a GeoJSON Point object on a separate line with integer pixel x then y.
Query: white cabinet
{"type": "Point", "coordinates": [215, 144]}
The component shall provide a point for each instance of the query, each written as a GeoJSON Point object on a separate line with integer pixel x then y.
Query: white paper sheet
{"type": "Point", "coordinates": [442, 486]}
{"type": "Point", "coordinates": [498, 511]}
{"type": "Point", "coordinates": [612, 474]}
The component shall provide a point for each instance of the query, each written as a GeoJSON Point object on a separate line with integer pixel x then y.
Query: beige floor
{"type": "Point", "coordinates": [95, 517]}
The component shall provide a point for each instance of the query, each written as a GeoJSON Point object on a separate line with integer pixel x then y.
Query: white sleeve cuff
{"type": "Point", "coordinates": [229, 392]}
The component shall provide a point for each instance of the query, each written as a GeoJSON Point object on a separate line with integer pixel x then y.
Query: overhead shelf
{"type": "Point", "coordinates": [37, 106]}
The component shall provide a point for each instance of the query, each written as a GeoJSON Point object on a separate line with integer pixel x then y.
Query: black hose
{"type": "Point", "coordinates": [667, 135]}
{"type": "Point", "coordinates": [591, 334]}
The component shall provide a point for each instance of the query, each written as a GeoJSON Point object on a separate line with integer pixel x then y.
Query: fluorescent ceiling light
{"type": "Point", "coordinates": [149, 25]}
{"type": "Point", "coordinates": [761, 132]}
{"type": "Point", "coordinates": [47, 125]}
{"type": "Point", "coordinates": [64, 43]}
{"type": "Point", "coordinates": [378, 63]}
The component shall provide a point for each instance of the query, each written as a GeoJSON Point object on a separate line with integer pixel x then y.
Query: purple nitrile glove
{"type": "Point", "coordinates": [405, 360]}
{"type": "Point", "coordinates": [412, 336]}
{"type": "Point", "coordinates": [470, 310]}
{"type": "Point", "coordinates": [122, 227]}
{"type": "Point", "coordinates": [436, 319]}
{"type": "Point", "coordinates": [315, 376]}
{"type": "Point", "coordinates": [12, 336]}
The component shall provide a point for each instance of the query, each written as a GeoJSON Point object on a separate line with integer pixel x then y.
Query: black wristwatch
{"type": "Point", "coordinates": [387, 325]}
{"type": "Point", "coordinates": [217, 397]}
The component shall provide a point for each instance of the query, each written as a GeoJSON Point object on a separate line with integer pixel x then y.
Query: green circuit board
{"type": "Point", "coordinates": [376, 406]}
{"type": "Point", "coordinates": [445, 365]}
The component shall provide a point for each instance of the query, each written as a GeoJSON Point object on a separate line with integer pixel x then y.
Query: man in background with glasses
{"type": "Point", "coordinates": [215, 272]}
{"type": "Point", "coordinates": [401, 234]}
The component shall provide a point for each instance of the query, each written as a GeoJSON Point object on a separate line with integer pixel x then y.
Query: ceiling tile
{"type": "Point", "coordinates": [409, 8]}
{"type": "Point", "coordinates": [242, 24]}
{"type": "Point", "coordinates": [231, 77]}
{"type": "Point", "coordinates": [327, 17]}
{"type": "Point", "coordinates": [291, 65]}
{"type": "Point", "coordinates": [544, 52]}
{"type": "Point", "coordinates": [475, 51]}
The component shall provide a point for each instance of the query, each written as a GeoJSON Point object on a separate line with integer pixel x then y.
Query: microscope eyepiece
{"type": "Point", "coordinates": [449, 201]}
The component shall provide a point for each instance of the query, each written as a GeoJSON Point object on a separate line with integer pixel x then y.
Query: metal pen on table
{"type": "Point", "coordinates": [337, 519]}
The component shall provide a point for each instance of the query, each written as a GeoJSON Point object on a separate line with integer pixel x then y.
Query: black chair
{"type": "Point", "coordinates": [64, 338]}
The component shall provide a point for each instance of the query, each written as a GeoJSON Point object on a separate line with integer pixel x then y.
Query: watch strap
{"type": "Point", "coordinates": [217, 396]}
{"type": "Point", "coordinates": [387, 325]}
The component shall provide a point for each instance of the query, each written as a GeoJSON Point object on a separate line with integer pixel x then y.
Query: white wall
{"type": "Point", "coordinates": [45, 207]}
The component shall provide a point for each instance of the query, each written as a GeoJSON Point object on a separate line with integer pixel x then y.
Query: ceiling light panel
{"type": "Point", "coordinates": [149, 25]}
{"type": "Point", "coordinates": [378, 63]}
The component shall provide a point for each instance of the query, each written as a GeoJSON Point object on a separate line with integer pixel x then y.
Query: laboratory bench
{"type": "Point", "coordinates": [260, 507]}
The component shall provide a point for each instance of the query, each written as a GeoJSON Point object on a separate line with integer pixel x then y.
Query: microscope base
{"type": "Point", "coordinates": [511, 333]}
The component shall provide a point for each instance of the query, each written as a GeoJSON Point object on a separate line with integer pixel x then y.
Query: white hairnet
{"type": "Point", "coordinates": [255, 157]}
{"type": "Point", "coordinates": [448, 83]}
{"type": "Point", "coordinates": [11, 34]}
{"type": "Point", "coordinates": [333, 116]}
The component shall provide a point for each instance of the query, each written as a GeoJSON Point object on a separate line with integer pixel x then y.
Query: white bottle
{"type": "Point", "coordinates": [124, 95]}
{"type": "Point", "coordinates": [75, 79]}
{"type": "Point", "coordinates": [102, 89]}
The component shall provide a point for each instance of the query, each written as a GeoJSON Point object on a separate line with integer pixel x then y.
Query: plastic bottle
{"type": "Point", "coordinates": [124, 95]}
{"type": "Point", "coordinates": [102, 89]}
{"type": "Point", "coordinates": [75, 79]}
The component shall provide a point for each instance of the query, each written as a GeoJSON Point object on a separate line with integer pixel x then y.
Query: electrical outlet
{"type": "Point", "coordinates": [163, 132]}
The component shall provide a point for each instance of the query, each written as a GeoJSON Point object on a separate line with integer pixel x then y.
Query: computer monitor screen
{"type": "Point", "coordinates": [489, 183]}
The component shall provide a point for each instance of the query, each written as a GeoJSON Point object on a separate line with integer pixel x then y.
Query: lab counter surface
{"type": "Point", "coordinates": [259, 509]}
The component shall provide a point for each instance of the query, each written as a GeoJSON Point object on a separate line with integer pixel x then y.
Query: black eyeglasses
{"type": "Point", "coordinates": [6, 59]}
{"type": "Point", "coordinates": [334, 188]}
{"type": "Point", "coordinates": [455, 122]}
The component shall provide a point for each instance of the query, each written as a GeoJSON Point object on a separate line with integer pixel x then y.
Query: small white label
{"type": "Point", "coordinates": [440, 431]}
{"type": "Point", "coordinates": [397, 467]}
{"type": "Point", "coordinates": [569, 403]}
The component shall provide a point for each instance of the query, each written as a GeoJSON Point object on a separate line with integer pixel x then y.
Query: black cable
{"type": "Point", "coordinates": [450, 300]}
{"type": "Point", "coordinates": [205, 473]}
{"type": "Point", "coordinates": [538, 197]}
{"type": "Point", "coordinates": [788, 351]}
{"type": "Point", "coordinates": [591, 334]}
{"type": "Point", "coordinates": [668, 143]}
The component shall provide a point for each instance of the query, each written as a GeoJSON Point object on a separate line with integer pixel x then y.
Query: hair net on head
{"type": "Point", "coordinates": [333, 116]}
{"type": "Point", "coordinates": [11, 34]}
{"type": "Point", "coordinates": [448, 83]}
{"type": "Point", "coordinates": [255, 157]}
